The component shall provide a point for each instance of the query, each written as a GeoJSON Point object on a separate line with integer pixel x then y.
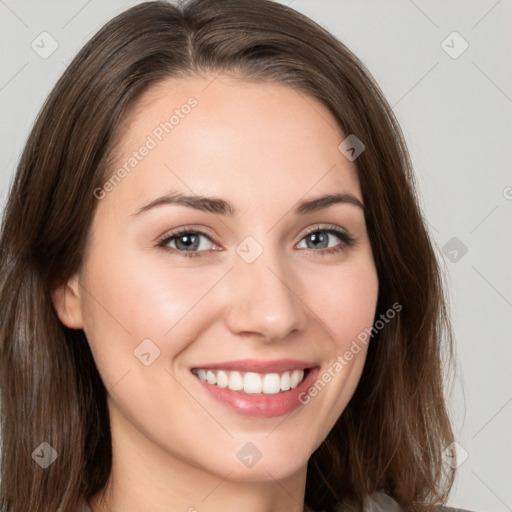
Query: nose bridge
{"type": "Point", "coordinates": [263, 300]}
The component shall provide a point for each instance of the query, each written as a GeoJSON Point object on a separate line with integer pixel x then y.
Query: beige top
{"type": "Point", "coordinates": [379, 502]}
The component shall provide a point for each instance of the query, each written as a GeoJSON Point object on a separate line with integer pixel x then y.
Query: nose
{"type": "Point", "coordinates": [262, 301]}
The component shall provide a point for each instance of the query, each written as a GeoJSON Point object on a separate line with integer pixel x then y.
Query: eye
{"type": "Point", "coordinates": [187, 242]}
{"type": "Point", "coordinates": [320, 236]}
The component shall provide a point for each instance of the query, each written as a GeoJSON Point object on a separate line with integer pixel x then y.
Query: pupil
{"type": "Point", "coordinates": [317, 237]}
{"type": "Point", "coordinates": [189, 242]}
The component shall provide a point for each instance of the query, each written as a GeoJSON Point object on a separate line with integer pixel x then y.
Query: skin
{"type": "Point", "coordinates": [263, 147]}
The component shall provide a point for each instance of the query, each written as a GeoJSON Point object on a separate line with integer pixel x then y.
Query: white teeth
{"type": "Point", "coordinates": [236, 383]}
{"type": "Point", "coordinates": [271, 384]}
{"type": "Point", "coordinates": [210, 377]}
{"type": "Point", "coordinates": [285, 381]}
{"type": "Point", "coordinates": [222, 379]}
{"type": "Point", "coordinates": [251, 382]}
{"type": "Point", "coordinates": [296, 377]}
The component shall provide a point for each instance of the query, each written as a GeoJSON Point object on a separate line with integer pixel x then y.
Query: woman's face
{"type": "Point", "coordinates": [247, 297]}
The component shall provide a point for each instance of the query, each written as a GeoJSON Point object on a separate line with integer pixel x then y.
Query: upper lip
{"type": "Point", "coordinates": [258, 365]}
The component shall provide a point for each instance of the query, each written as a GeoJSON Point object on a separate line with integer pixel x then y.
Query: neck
{"type": "Point", "coordinates": [145, 477]}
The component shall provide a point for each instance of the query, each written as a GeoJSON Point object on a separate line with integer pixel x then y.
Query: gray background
{"type": "Point", "coordinates": [455, 111]}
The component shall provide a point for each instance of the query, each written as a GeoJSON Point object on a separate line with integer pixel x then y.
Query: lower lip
{"type": "Point", "coordinates": [259, 404]}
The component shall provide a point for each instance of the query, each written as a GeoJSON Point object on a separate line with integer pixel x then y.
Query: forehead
{"type": "Point", "coordinates": [261, 141]}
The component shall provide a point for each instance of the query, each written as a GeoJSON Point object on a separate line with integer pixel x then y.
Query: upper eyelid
{"type": "Point", "coordinates": [181, 231]}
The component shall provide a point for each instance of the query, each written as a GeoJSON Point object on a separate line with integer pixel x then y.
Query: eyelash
{"type": "Point", "coordinates": [346, 240]}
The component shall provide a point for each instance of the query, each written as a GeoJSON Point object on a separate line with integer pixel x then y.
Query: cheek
{"type": "Point", "coordinates": [128, 301]}
{"type": "Point", "coordinates": [345, 299]}
{"type": "Point", "coordinates": [346, 309]}
{"type": "Point", "coordinates": [137, 298]}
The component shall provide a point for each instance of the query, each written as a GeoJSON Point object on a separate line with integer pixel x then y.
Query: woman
{"type": "Point", "coordinates": [175, 335]}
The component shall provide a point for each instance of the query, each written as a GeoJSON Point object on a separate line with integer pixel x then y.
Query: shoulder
{"type": "Point", "coordinates": [381, 502]}
{"type": "Point", "coordinates": [83, 507]}
{"type": "Point", "coordinates": [450, 509]}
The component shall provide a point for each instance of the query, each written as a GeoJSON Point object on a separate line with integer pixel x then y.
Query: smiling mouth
{"type": "Point", "coordinates": [251, 382]}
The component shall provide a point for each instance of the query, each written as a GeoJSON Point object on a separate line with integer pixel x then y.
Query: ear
{"type": "Point", "coordinates": [66, 300]}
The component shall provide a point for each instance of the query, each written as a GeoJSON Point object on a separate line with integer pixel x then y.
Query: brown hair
{"type": "Point", "coordinates": [392, 433]}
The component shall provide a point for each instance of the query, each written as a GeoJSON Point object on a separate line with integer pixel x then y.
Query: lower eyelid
{"type": "Point", "coordinates": [345, 241]}
{"type": "Point", "coordinates": [167, 239]}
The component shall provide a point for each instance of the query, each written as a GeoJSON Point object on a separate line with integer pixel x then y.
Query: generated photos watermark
{"type": "Point", "coordinates": [343, 360]}
{"type": "Point", "coordinates": [156, 136]}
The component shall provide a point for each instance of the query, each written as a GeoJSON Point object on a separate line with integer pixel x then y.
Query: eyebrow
{"type": "Point", "coordinates": [220, 206]}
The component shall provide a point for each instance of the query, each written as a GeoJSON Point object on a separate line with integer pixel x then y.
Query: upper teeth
{"type": "Point", "coordinates": [250, 382]}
